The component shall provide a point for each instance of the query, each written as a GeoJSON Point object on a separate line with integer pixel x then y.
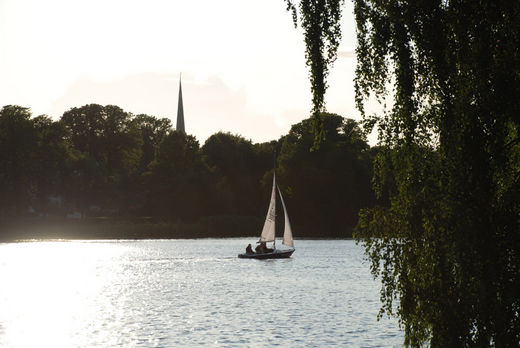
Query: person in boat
{"type": "Point", "coordinates": [249, 250]}
{"type": "Point", "coordinates": [260, 248]}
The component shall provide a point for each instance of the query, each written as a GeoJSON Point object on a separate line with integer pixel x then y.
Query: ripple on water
{"type": "Point", "coordinates": [190, 293]}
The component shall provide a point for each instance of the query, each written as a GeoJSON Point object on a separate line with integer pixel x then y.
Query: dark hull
{"type": "Point", "coordinates": [277, 254]}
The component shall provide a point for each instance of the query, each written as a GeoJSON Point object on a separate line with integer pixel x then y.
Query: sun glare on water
{"type": "Point", "coordinates": [186, 293]}
{"type": "Point", "coordinates": [50, 291]}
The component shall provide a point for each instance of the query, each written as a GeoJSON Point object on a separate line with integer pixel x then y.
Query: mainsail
{"type": "Point", "coordinates": [287, 232]}
{"type": "Point", "coordinates": [268, 231]}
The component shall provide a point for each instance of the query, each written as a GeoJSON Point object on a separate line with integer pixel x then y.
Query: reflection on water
{"type": "Point", "coordinates": [50, 290]}
{"type": "Point", "coordinates": [187, 293]}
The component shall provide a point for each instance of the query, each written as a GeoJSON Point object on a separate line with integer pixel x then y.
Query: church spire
{"type": "Point", "coordinates": [180, 110]}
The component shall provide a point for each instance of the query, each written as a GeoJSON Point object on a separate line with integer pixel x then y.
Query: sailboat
{"type": "Point", "coordinates": [268, 233]}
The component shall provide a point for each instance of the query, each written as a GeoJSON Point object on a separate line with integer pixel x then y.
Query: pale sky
{"type": "Point", "coordinates": [242, 62]}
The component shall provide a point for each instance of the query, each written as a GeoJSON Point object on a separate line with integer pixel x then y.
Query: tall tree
{"type": "Point", "coordinates": [153, 131]}
{"type": "Point", "coordinates": [326, 187]}
{"type": "Point", "coordinates": [179, 179]}
{"type": "Point", "coordinates": [452, 226]}
{"type": "Point", "coordinates": [51, 162]}
{"type": "Point", "coordinates": [17, 151]}
{"type": "Point", "coordinates": [233, 160]}
{"type": "Point", "coordinates": [108, 152]}
{"type": "Point", "coordinates": [448, 245]}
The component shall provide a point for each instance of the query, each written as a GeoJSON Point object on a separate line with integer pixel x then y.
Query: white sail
{"type": "Point", "coordinates": [287, 232]}
{"type": "Point", "coordinates": [268, 231]}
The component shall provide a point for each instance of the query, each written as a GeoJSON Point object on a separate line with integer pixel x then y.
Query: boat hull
{"type": "Point", "coordinates": [276, 254]}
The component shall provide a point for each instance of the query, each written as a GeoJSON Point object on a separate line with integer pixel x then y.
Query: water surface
{"type": "Point", "coordinates": [164, 293]}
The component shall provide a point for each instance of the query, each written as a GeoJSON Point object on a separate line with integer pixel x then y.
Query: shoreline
{"type": "Point", "coordinates": [216, 227]}
{"type": "Point", "coordinates": [151, 239]}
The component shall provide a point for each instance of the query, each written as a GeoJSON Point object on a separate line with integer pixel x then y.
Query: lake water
{"type": "Point", "coordinates": [171, 293]}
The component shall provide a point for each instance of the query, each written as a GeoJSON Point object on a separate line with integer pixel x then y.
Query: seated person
{"type": "Point", "coordinates": [260, 248]}
{"type": "Point", "coordinates": [249, 250]}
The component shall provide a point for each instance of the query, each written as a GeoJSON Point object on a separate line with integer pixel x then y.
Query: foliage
{"type": "Point", "coordinates": [17, 140]}
{"type": "Point", "coordinates": [52, 161]}
{"type": "Point", "coordinates": [108, 149]}
{"type": "Point", "coordinates": [326, 188]}
{"type": "Point", "coordinates": [237, 174]}
{"type": "Point", "coordinates": [100, 162]}
{"type": "Point", "coordinates": [153, 131]}
{"type": "Point", "coordinates": [320, 20]}
{"type": "Point", "coordinates": [180, 180]}
{"type": "Point", "coordinates": [447, 245]}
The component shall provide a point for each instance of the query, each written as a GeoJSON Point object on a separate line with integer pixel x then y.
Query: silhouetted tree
{"type": "Point", "coordinates": [448, 245]}
{"type": "Point", "coordinates": [320, 20]}
{"type": "Point", "coordinates": [17, 153]}
{"type": "Point", "coordinates": [52, 163]}
{"type": "Point", "coordinates": [153, 131]}
{"type": "Point", "coordinates": [179, 179]}
{"type": "Point", "coordinates": [103, 161]}
{"type": "Point", "coordinates": [108, 147]}
{"type": "Point", "coordinates": [238, 183]}
{"type": "Point", "coordinates": [326, 188]}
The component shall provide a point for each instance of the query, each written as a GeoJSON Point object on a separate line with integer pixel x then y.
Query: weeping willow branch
{"type": "Point", "coordinates": [320, 20]}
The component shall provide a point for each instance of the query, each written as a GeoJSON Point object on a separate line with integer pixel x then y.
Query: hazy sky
{"type": "Point", "coordinates": [242, 62]}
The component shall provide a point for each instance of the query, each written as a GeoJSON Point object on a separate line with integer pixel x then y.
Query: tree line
{"type": "Point", "coordinates": [103, 162]}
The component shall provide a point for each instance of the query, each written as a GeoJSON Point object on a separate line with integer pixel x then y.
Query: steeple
{"type": "Point", "coordinates": [180, 110]}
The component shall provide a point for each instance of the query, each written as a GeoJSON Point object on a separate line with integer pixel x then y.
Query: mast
{"type": "Point", "coordinates": [180, 110]}
{"type": "Point", "coordinates": [274, 190]}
